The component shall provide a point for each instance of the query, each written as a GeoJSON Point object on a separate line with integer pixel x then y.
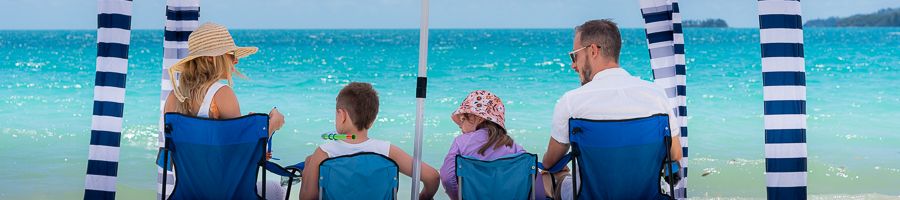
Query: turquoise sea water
{"type": "Point", "coordinates": [46, 90]}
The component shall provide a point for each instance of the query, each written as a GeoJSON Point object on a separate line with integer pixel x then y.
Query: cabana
{"type": "Point", "coordinates": [784, 86]}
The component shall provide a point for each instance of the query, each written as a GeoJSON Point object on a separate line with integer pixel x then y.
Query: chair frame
{"type": "Point", "coordinates": [459, 180]}
{"type": "Point", "coordinates": [666, 162]}
{"type": "Point", "coordinates": [396, 177]}
{"type": "Point", "coordinates": [166, 148]}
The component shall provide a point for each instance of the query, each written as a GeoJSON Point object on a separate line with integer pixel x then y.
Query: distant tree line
{"type": "Point", "coordinates": [706, 23]}
{"type": "Point", "coordinates": [883, 18]}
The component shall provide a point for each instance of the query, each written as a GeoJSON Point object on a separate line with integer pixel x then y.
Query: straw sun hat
{"type": "Point", "coordinates": [210, 39]}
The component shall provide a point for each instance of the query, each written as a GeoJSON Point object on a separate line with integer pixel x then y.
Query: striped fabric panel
{"type": "Point", "coordinates": [665, 42]}
{"type": "Point", "coordinates": [182, 17]}
{"type": "Point", "coordinates": [784, 95]}
{"type": "Point", "coordinates": [661, 44]}
{"type": "Point", "coordinates": [113, 39]}
{"type": "Point", "coordinates": [681, 95]}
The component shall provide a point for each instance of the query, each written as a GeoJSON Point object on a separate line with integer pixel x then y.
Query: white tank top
{"type": "Point", "coordinates": [340, 148]}
{"type": "Point", "coordinates": [207, 100]}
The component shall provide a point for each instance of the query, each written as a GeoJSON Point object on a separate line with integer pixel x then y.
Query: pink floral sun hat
{"type": "Point", "coordinates": [483, 104]}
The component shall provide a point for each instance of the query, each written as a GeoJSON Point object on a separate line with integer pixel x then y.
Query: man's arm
{"type": "Point", "coordinates": [675, 150]}
{"type": "Point", "coordinates": [559, 133]}
{"type": "Point", "coordinates": [310, 187]}
{"type": "Point", "coordinates": [555, 151]}
{"type": "Point", "coordinates": [675, 130]}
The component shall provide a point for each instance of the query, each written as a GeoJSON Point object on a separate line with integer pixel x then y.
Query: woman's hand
{"type": "Point", "coordinates": [276, 120]}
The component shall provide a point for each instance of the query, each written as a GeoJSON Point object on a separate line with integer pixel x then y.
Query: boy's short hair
{"type": "Point", "coordinates": [360, 101]}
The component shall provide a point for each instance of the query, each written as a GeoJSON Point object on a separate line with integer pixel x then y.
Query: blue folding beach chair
{"type": "Point", "coordinates": [619, 159]}
{"type": "Point", "coordinates": [504, 178]}
{"type": "Point", "coordinates": [215, 159]}
{"type": "Point", "coordinates": [358, 176]}
{"type": "Point", "coordinates": [290, 174]}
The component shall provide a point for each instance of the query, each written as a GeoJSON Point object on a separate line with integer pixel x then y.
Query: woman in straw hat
{"type": "Point", "coordinates": [211, 58]}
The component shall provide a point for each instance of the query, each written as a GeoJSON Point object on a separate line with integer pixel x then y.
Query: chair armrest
{"type": "Point", "coordinates": [676, 168]}
{"type": "Point", "coordinates": [559, 164]}
{"type": "Point", "coordinates": [299, 166]}
{"type": "Point", "coordinates": [282, 171]}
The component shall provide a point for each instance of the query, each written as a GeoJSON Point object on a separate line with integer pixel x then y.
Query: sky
{"type": "Point", "coordinates": [405, 14]}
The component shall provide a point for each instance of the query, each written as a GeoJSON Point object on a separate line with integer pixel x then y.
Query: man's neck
{"type": "Point", "coordinates": [361, 136]}
{"type": "Point", "coordinates": [604, 67]}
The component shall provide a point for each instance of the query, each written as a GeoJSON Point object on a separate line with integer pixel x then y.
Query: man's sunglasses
{"type": "Point", "coordinates": [573, 54]}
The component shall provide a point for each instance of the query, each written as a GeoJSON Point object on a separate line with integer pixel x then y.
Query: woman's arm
{"type": "Point", "coordinates": [170, 103]}
{"type": "Point", "coordinates": [227, 103]}
{"type": "Point", "coordinates": [228, 106]}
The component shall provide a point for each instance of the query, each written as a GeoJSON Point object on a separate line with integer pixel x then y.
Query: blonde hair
{"type": "Point", "coordinates": [194, 78]}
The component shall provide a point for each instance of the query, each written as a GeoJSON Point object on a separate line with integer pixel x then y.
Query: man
{"type": "Point", "coordinates": [607, 92]}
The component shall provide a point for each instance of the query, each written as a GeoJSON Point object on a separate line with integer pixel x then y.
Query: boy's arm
{"type": "Point", "coordinates": [429, 175]}
{"type": "Point", "coordinates": [310, 187]}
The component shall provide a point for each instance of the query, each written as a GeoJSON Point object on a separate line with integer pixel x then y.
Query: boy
{"type": "Point", "coordinates": [357, 108]}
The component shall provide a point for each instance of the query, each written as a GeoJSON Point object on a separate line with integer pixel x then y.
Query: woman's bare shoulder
{"type": "Point", "coordinates": [170, 103]}
{"type": "Point", "coordinates": [227, 103]}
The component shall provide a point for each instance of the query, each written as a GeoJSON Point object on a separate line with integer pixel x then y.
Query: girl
{"type": "Point", "coordinates": [481, 119]}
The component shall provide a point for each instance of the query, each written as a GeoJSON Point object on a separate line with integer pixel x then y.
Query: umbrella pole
{"type": "Point", "coordinates": [420, 100]}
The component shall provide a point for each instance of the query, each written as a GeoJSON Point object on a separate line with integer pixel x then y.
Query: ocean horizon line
{"type": "Point", "coordinates": [402, 29]}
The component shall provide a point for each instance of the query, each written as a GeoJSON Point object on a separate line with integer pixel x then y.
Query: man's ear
{"type": "Point", "coordinates": [595, 50]}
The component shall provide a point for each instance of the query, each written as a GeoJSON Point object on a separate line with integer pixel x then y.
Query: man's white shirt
{"type": "Point", "coordinates": [612, 94]}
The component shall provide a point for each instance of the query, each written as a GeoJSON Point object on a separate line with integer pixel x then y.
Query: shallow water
{"type": "Point", "coordinates": [46, 90]}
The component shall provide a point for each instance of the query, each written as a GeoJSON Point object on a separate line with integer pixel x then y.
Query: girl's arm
{"type": "Point", "coordinates": [448, 171]}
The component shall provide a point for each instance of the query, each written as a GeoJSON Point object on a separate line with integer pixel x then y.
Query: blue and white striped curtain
{"type": "Point", "coordinates": [665, 41]}
{"type": "Point", "coordinates": [181, 19]}
{"type": "Point", "coordinates": [681, 95]}
{"type": "Point", "coordinates": [113, 38]}
{"type": "Point", "coordinates": [784, 96]}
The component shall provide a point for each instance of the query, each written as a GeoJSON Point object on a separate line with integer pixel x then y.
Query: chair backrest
{"type": "Point", "coordinates": [619, 159]}
{"type": "Point", "coordinates": [216, 159]}
{"type": "Point", "coordinates": [504, 178]}
{"type": "Point", "coordinates": [363, 175]}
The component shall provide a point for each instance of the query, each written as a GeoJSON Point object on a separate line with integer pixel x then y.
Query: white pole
{"type": "Point", "coordinates": [420, 100]}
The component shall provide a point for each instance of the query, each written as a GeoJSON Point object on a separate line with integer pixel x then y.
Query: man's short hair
{"type": "Point", "coordinates": [605, 34]}
{"type": "Point", "coordinates": [360, 101]}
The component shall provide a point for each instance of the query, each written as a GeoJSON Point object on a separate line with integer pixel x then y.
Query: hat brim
{"type": "Point", "coordinates": [239, 52]}
{"type": "Point", "coordinates": [458, 113]}
{"type": "Point", "coordinates": [456, 117]}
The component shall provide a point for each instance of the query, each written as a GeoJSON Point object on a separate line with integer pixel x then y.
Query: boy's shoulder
{"type": "Point", "coordinates": [336, 148]}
